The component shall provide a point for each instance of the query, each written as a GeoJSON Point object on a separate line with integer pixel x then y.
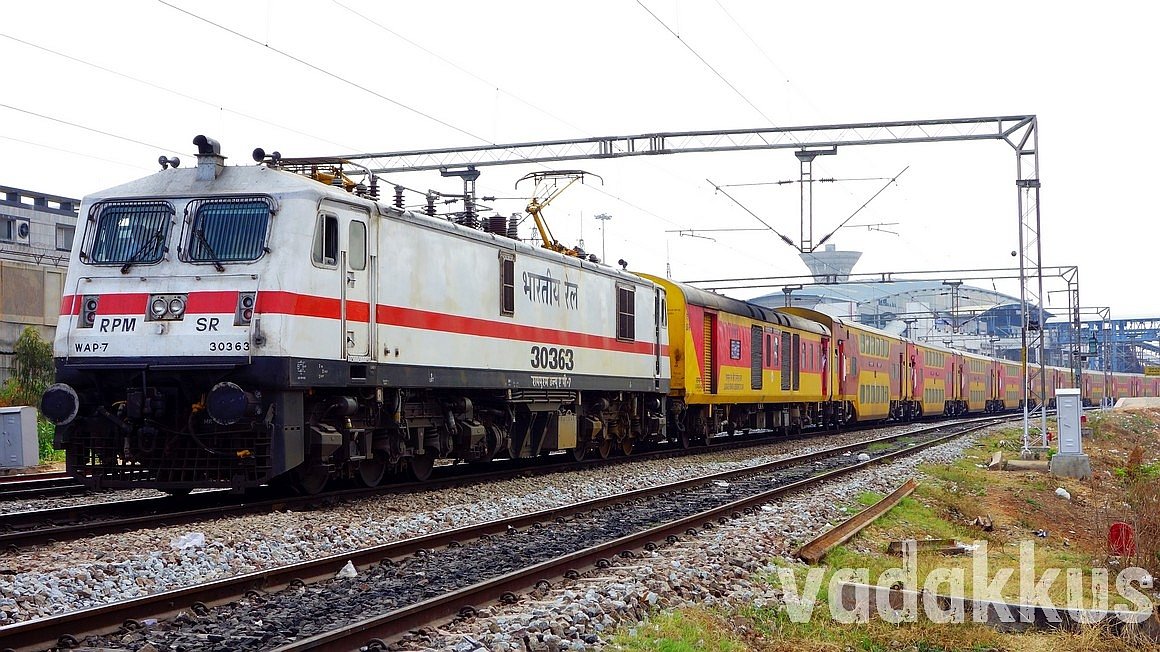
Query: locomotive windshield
{"type": "Point", "coordinates": [130, 232]}
{"type": "Point", "coordinates": [230, 230]}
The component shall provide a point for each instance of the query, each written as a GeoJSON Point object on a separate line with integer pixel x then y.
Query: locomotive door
{"type": "Point", "coordinates": [357, 276]}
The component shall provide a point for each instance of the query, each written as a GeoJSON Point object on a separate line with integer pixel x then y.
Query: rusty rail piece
{"type": "Point", "coordinates": [939, 546]}
{"type": "Point", "coordinates": [373, 633]}
{"type": "Point", "coordinates": [1000, 615]}
{"type": "Point", "coordinates": [46, 632]}
{"type": "Point", "coordinates": [813, 551]}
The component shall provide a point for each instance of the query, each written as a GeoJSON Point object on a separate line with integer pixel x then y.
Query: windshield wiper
{"type": "Point", "coordinates": [149, 243]}
{"type": "Point", "coordinates": [217, 263]}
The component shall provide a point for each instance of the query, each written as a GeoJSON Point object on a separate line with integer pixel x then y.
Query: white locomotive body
{"type": "Point", "coordinates": [232, 326]}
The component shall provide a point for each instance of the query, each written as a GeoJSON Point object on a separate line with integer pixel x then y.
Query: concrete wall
{"type": "Point", "coordinates": [32, 265]}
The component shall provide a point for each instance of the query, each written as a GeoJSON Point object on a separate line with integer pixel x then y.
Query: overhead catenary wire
{"type": "Point", "coordinates": [92, 129]}
{"type": "Point", "coordinates": [710, 67]}
{"type": "Point", "coordinates": [72, 152]}
{"type": "Point", "coordinates": [893, 179]}
{"type": "Point", "coordinates": [166, 89]}
{"type": "Point", "coordinates": [755, 216]}
{"type": "Point", "coordinates": [328, 73]}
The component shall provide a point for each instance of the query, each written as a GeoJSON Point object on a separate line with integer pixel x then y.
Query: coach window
{"type": "Point", "coordinates": [326, 240]}
{"type": "Point", "coordinates": [625, 313]}
{"type": "Point", "coordinates": [357, 245]}
{"type": "Point", "coordinates": [507, 284]}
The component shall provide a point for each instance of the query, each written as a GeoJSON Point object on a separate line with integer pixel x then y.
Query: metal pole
{"type": "Point", "coordinates": [1023, 317]}
{"type": "Point", "coordinates": [603, 217]}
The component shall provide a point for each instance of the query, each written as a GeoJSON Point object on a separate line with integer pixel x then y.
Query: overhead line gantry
{"type": "Point", "coordinates": [1019, 131]}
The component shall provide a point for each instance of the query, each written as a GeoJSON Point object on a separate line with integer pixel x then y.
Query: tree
{"type": "Point", "coordinates": [33, 370]}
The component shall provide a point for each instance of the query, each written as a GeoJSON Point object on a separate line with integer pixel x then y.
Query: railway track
{"type": "Point", "coordinates": [39, 485]}
{"type": "Point", "coordinates": [68, 523]}
{"type": "Point", "coordinates": [424, 579]}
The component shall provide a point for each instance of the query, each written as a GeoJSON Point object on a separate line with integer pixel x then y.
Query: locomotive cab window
{"type": "Point", "coordinates": [128, 232]}
{"type": "Point", "coordinates": [625, 312]}
{"type": "Point", "coordinates": [326, 240]}
{"type": "Point", "coordinates": [507, 284]}
{"type": "Point", "coordinates": [227, 230]}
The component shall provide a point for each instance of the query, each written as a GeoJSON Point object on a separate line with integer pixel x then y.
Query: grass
{"type": "Point", "coordinates": [690, 630]}
{"type": "Point", "coordinates": [942, 507]}
{"type": "Point", "coordinates": [44, 433]}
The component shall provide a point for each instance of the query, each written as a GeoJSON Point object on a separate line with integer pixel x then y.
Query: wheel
{"type": "Point", "coordinates": [580, 451]}
{"type": "Point", "coordinates": [685, 440]}
{"type": "Point", "coordinates": [372, 470]}
{"type": "Point", "coordinates": [310, 480]}
{"type": "Point", "coordinates": [626, 446]}
{"type": "Point", "coordinates": [420, 466]}
{"type": "Point", "coordinates": [605, 448]}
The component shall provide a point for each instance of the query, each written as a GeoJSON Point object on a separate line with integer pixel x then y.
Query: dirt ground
{"type": "Point", "coordinates": [1070, 532]}
{"type": "Point", "coordinates": [1022, 503]}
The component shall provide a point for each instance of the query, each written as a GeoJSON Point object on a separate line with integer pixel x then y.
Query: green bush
{"type": "Point", "coordinates": [32, 371]}
{"type": "Point", "coordinates": [31, 374]}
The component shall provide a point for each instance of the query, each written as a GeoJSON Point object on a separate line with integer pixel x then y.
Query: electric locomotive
{"type": "Point", "coordinates": [233, 326]}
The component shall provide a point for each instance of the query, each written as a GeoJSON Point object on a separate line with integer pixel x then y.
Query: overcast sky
{"type": "Point", "coordinates": [94, 92]}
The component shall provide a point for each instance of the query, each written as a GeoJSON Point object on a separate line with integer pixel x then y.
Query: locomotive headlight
{"type": "Point", "coordinates": [177, 306]}
{"type": "Point", "coordinates": [157, 308]}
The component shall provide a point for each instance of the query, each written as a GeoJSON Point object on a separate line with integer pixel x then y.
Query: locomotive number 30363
{"type": "Point", "coordinates": [550, 357]}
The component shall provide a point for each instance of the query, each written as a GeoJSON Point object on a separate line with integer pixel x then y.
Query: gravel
{"type": "Point", "coordinates": [718, 567]}
{"type": "Point", "coordinates": [68, 576]}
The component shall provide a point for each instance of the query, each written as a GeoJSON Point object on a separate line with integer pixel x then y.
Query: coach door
{"type": "Point", "coordinates": [709, 333]}
{"type": "Point", "coordinates": [356, 266]}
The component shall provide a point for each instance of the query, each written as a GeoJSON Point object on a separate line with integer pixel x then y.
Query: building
{"type": "Point", "coordinates": [36, 235]}
{"type": "Point", "coordinates": [949, 313]}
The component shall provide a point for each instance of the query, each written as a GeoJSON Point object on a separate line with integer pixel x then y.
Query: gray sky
{"type": "Point", "coordinates": [94, 92]}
